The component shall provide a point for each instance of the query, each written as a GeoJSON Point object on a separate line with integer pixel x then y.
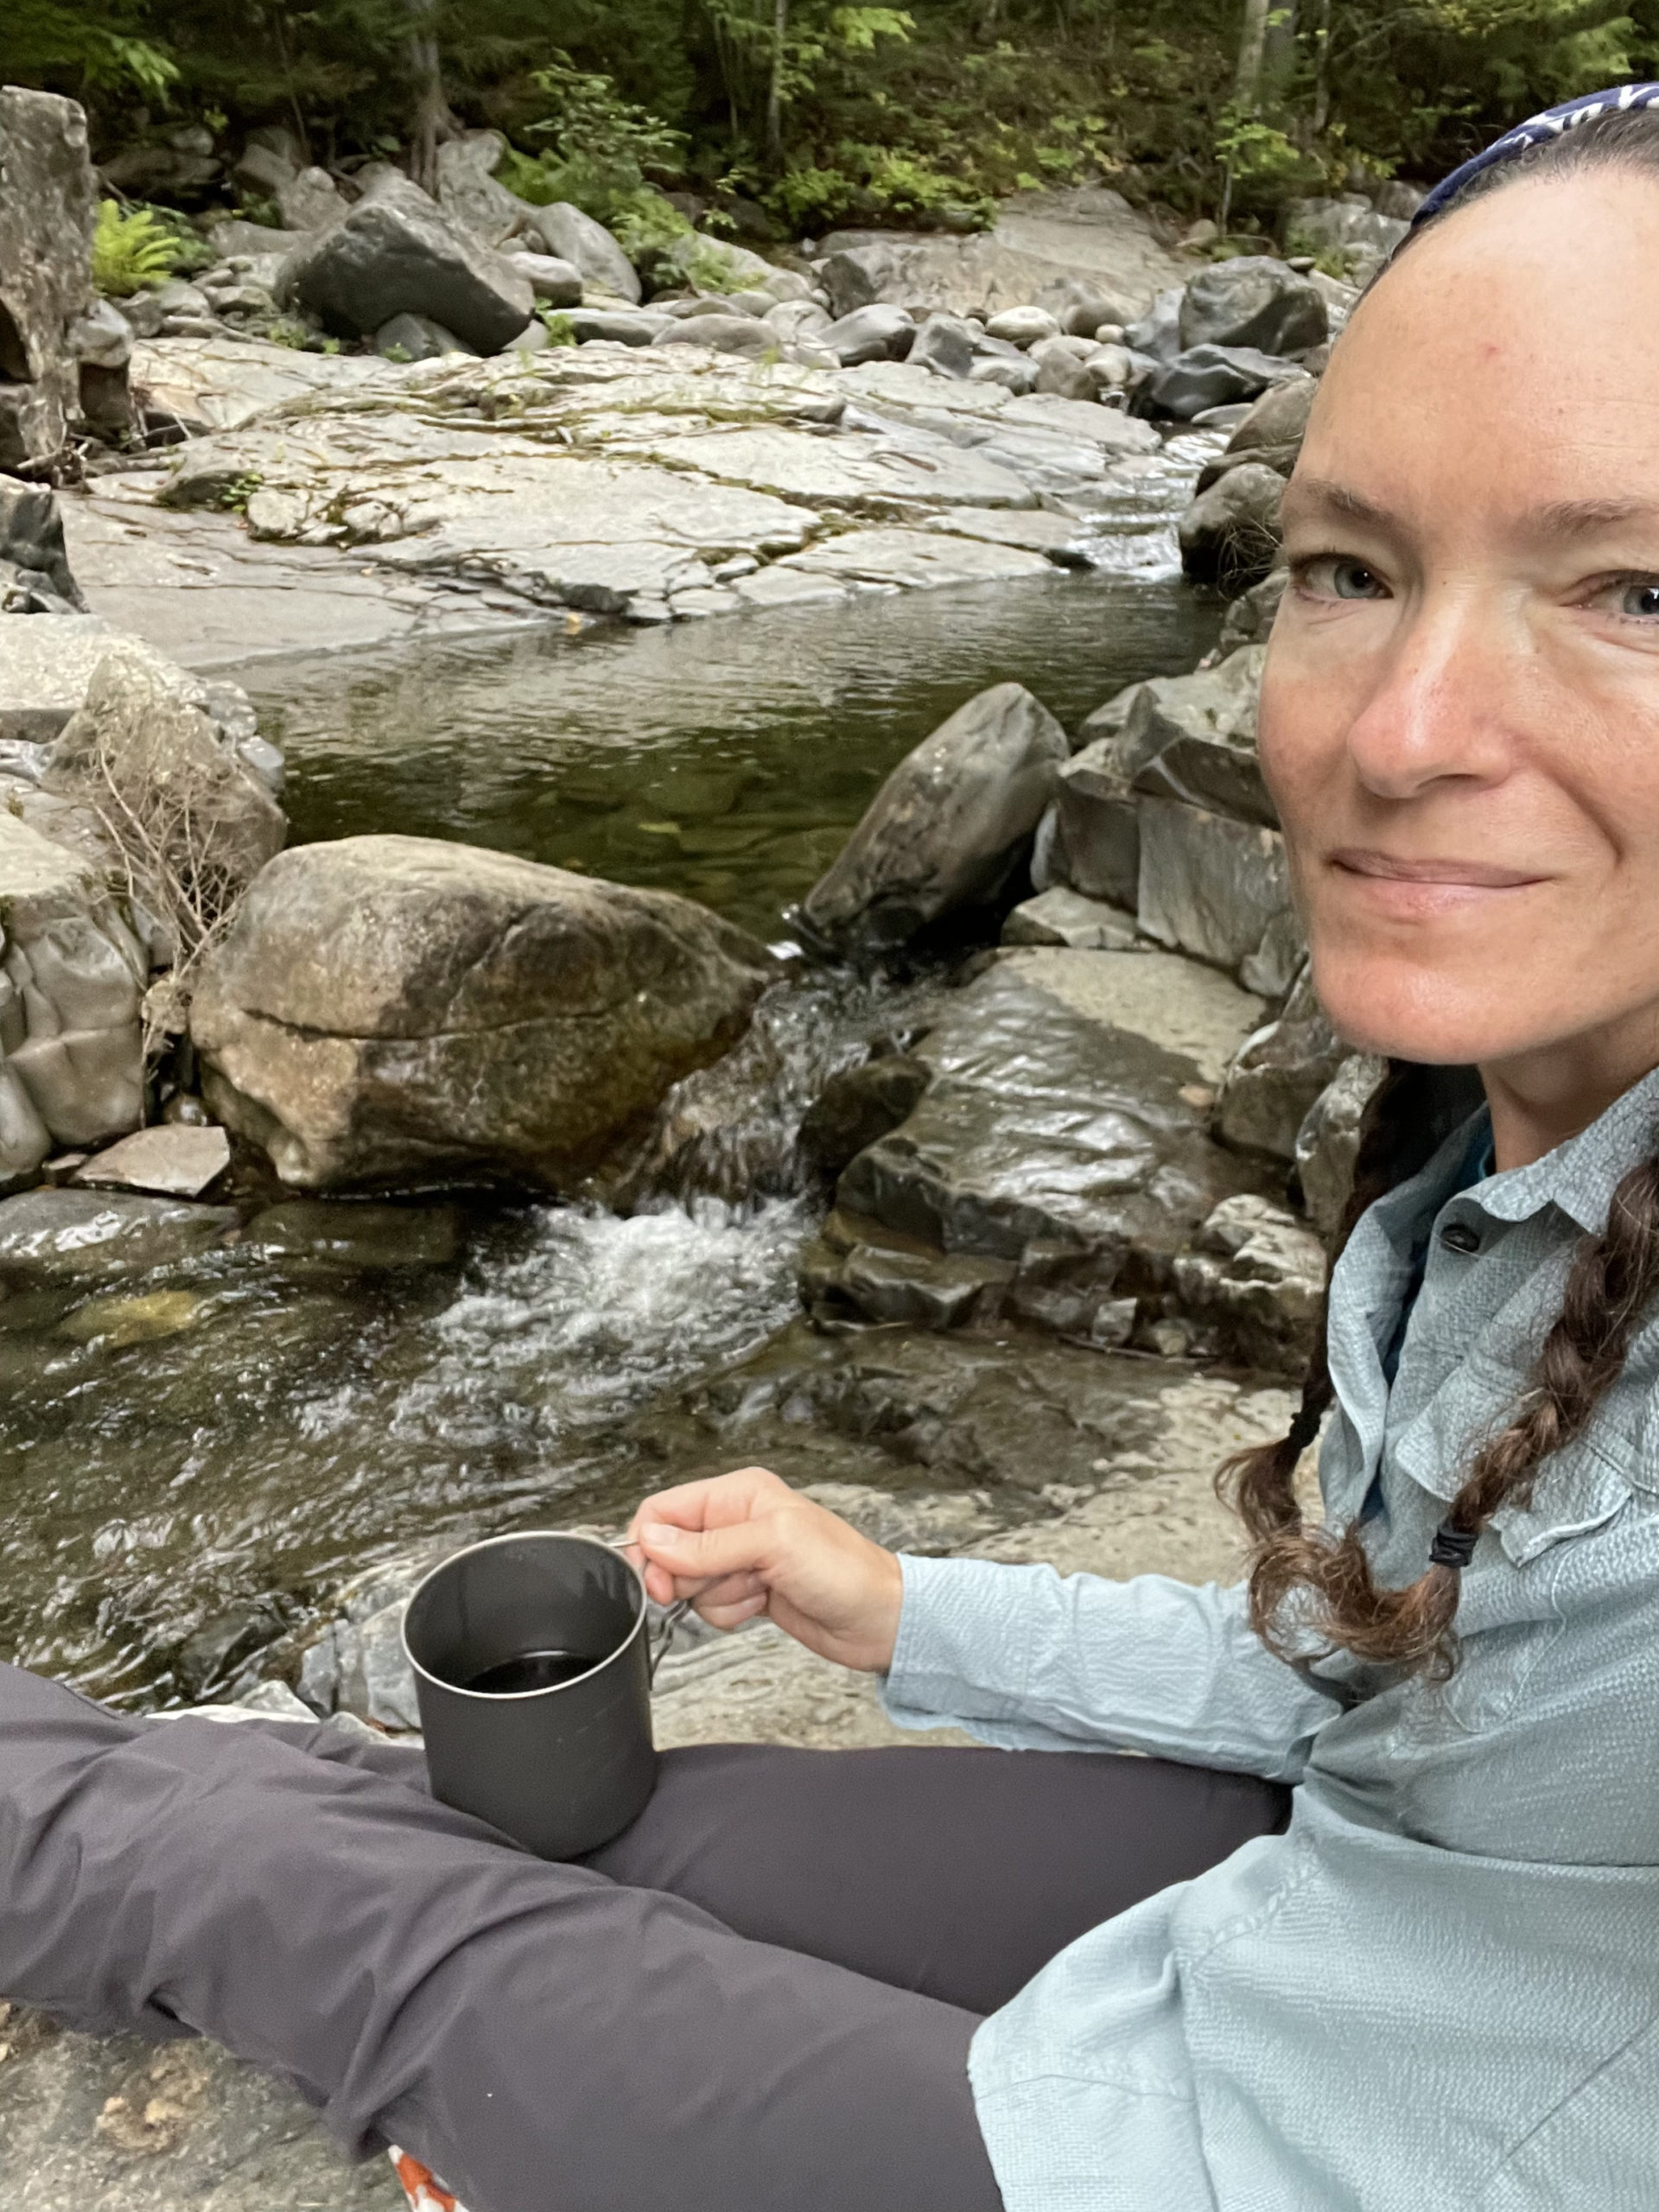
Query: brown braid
{"type": "Point", "coordinates": [1611, 1284]}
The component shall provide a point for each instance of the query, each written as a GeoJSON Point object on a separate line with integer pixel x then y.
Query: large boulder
{"type": "Point", "coordinates": [948, 827]}
{"type": "Point", "coordinates": [1230, 535]}
{"type": "Point", "coordinates": [1218, 889]}
{"type": "Point", "coordinates": [48, 196]}
{"type": "Point", "coordinates": [34, 575]}
{"type": "Point", "coordinates": [71, 973]}
{"type": "Point", "coordinates": [398, 252]}
{"type": "Point", "coordinates": [1254, 301]}
{"type": "Point", "coordinates": [1208, 376]}
{"type": "Point", "coordinates": [1270, 434]}
{"type": "Point", "coordinates": [468, 191]}
{"type": "Point", "coordinates": [876, 333]}
{"type": "Point", "coordinates": [388, 1008]}
{"type": "Point", "coordinates": [1278, 1074]}
{"type": "Point", "coordinates": [589, 248]}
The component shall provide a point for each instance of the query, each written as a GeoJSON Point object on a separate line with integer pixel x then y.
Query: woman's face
{"type": "Point", "coordinates": [1460, 713]}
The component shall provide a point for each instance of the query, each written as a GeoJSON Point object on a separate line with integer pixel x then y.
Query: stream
{"type": "Point", "coordinates": [189, 1470]}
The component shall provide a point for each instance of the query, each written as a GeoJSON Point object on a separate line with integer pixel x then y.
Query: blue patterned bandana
{"type": "Point", "coordinates": [1533, 132]}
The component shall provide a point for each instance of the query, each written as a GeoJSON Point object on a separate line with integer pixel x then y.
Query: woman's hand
{"type": "Point", "coordinates": [742, 1544]}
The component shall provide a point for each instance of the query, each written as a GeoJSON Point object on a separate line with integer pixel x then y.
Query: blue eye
{"type": "Point", "coordinates": [1333, 575]}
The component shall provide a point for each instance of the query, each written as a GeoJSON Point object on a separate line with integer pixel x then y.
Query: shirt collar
{"type": "Point", "coordinates": [1581, 1176]}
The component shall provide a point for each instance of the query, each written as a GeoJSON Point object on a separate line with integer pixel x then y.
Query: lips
{"type": "Point", "coordinates": [1445, 874]}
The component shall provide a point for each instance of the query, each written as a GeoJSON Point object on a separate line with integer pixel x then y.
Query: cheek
{"type": "Point", "coordinates": [1302, 725]}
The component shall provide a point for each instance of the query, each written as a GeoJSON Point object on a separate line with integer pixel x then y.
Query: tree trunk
{"type": "Point", "coordinates": [434, 120]}
{"type": "Point", "coordinates": [1322, 69]}
{"type": "Point", "coordinates": [1252, 44]}
{"type": "Point", "coordinates": [775, 85]}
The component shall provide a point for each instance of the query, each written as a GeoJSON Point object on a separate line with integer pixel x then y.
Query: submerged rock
{"type": "Point", "coordinates": [950, 825]}
{"type": "Point", "coordinates": [386, 1008]}
{"type": "Point", "coordinates": [50, 1236]}
{"type": "Point", "coordinates": [398, 252]}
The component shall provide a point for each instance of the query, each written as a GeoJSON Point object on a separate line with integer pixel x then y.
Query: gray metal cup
{"type": "Point", "coordinates": [561, 1767]}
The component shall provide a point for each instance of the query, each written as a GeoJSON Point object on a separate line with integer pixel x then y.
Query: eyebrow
{"type": "Point", "coordinates": [1556, 518]}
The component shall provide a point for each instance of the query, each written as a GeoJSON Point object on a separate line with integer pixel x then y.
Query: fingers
{"type": "Point", "coordinates": [702, 1556]}
{"type": "Point", "coordinates": [714, 1502]}
{"type": "Point", "coordinates": [731, 1616]}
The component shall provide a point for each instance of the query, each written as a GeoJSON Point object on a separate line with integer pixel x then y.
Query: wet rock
{"type": "Point", "coordinates": [589, 247]}
{"type": "Point", "coordinates": [71, 977]}
{"type": "Point", "coordinates": [1280, 1071]}
{"type": "Point", "coordinates": [1253, 300]}
{"type": "Point", "coordinates": [859, 1105]}
{"type": "Point", "coordinates": [356, 1237]}
{"type": "Point", "coordinates": [1157, 335]}
{"type": "Point", "coordinates": [1089, 842]}
{"type": "Point", "coordinates": [1257, 1277]}
{"type": "Point", "coordinates": [1065, 917]}
{"type": "Point", "coordinates": [1193, 738]}
{"type": "Point", "coordinates": [173, 1161]}
{"type": "Point", "coordinates": [557, 283]}
{"type": "Point", "coordinates": [915, 559]}
{"type": "Point", "coordinates": [722, 333]}
{"type": "Point", "coordinates": [1328, 1141]}
{"type": "Point", "coordinates": [944, 344]}
{"type": "Point", "coordinates": [1204, 377]}
{"type": "Point", "coordinates": [47, 200]}
{"type": "Point", "coordinates": [381, 1686]}
{"type": "Point", "coordinates": [1270, 434]}
{"type": "Point", "coordinates": [147, 1319]}
{"type": "Point", "coordinates": [398, 253]}
{"type": "Point", "coordinates": [1062, 1131]}
{"type": "Point", "coordinates": [1212, 886]}
{"type": "Point", "coordinates": [416, 338]}
{"type": "Point", "coordinates": [31, 541]}
{"type": "Point", "coordinates": [1249, 619]}
{"type": "Point", "coordinates": [1230, 535]}
{"type": "Point", "coordinates": [309, 201]}
{"type": "Point", "coordinates": [950, 825]}
{"type": "Point", "coordinates": [869, 333]}
{"type": "Point", "coordinates": [68, 1236]}
{"type": "Point", "coordinates": [384, 1007]}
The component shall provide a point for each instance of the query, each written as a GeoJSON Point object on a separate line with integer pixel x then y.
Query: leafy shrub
{"type": "Point", "coordinates": [132, 253]}
{"type": "Point", "coordinates": [561, 331]}
{"type": "Point", "coordinates": [603, 148]}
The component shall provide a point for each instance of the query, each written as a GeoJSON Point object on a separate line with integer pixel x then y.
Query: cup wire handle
{"type": "Point", "coordinates": [671, 1618]}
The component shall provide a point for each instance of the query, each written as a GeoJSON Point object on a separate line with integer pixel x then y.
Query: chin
{"type": "Point", "coordinates": [1403, 1011]}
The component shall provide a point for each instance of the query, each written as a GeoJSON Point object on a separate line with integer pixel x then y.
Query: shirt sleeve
{"type": "Point", "coordinates": [1024, 1657]}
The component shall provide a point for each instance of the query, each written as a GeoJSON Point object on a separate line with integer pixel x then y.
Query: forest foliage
{"type": "Point", "coordinates": [820, 113]}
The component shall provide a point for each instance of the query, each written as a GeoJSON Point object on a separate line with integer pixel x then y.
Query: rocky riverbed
{"type": "Point", "coordinates": [911, 1084]}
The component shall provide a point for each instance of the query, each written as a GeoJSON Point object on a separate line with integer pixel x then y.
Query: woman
{"type": "Point", "coordinates": [1377, 1923]}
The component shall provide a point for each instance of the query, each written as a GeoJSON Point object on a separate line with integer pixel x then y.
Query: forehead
{"type": "Point", "coordinates": [1512, 354]}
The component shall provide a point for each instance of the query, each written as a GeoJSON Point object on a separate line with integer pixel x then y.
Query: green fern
{"type": "Point", "coordinates": [131, 252]}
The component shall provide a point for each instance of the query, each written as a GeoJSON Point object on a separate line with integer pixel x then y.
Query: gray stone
{"type": "Point", "coordinates": [1017, 376]}
{"type": "Point", "coordinates": [916, 560]}
{"type": "Point", "coordinates": [416, 338]}
{"type": "Point", "coordinates": [1065, 917]}
{"type": "Point", "coordinates": [949, 826]}
{"type": "Point", "coordinates": [387, 1678]}
{"type": "Point", "coordinates": [723, 333]}
{"type": "Point", "coordinates": [716, 264]}
{"type": "Point", "coordinates": [1328, 1141]}
{"type": "Point", "coordinates": [589, 247]}
{"type": "Point", "coordinates": [1280, 1071]}
{"type": "Point", "coordinates": [1025, 325]}
{"type": "Point", "coordinates": [857, 1106]}
{"type": "Point", "coordinates": [388, 1007]}
{"type": "Point", "coordinates": [71, 973]}
{"type": "Point", "coordinates": [172, 1161]}
{"type": "Point", "coordinates": [1208, 885]}
{"type": "Point", "coordinates": [1350, 225]}
{"type": "Point", "coordinates": [1271, 433]}
{"type": "Point", "coordinates": [1158, 334]}
{"type": "Point", "coordinates": [797, 321]}
{"type": "Point", "coordinates": [102, 337]}
{"type": "Point", "coordinates": [351, 1238]}
{"type": "Point", "coordinates": [50, 1236]}
{"type": "Point", "coordinates": [614, 325]}
{"type": "Point", "coordinates": [467, 188]}
{"type": "Point", "coordinates": [1063, 1130]}
{"type": "Point", "coordinates": [1193, 738]}
{"type": "Point", "coordinates": [1089, 842]}
{"type": "Point", "coordinates": [1256, 1276]}
{"type": "Point", "coordinates": [234, 237]}
{"type": "Point", "coordinates": [31, 539]}
{"type": "Point", "coordinates": [1061, 372]}
{"type": "Point", "coordinates": [1253, 300]}
{"type": "Point", "coordinates": [309, 201]}
{"type": "Point", "coordinates": [47, 200]}
{"type": "Point", "coordinates": [1206, 377]}
{"type": "Point", "coordinates": [876, 333]}
{"type": "Point", "coordinates": [1230, 535]}
{"type": "Point", "coordinates": [1249, 619]}
{"type": "Point", "coordinates": [399, 253]}
{"type": "Point", "coordinates": [944, 344]}
{"type": "Point", "coordinates": [557, 283]}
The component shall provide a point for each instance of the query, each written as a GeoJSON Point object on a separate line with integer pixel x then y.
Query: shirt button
{"type": "Point", "coordinates": [1459, 1236]}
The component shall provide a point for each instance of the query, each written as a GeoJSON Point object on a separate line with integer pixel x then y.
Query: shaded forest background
{"type": "Point", "coordinates": [802, 114]}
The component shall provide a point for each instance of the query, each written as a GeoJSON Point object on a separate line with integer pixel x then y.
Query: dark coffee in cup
{"type": "Point", "coordinates": [532, 1670]}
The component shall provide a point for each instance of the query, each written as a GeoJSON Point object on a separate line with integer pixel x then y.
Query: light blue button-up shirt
{"type": "Point", "coordinates": [1440, 1987]}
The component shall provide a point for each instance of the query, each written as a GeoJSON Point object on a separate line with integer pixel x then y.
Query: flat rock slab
{"type": "Point", "coordinates": [220, 383]}
{"type": "Point", "coordinates": [68, 1235]}
{"type": "Point", "coordinates": [176, 1161]}
{"type": "Point", "coordinates": [914, 560]}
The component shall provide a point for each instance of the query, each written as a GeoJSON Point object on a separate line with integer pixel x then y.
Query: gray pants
{"type": "Point", "coordinates": [759, 1998]}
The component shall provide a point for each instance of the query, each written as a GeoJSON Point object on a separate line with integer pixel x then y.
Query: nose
{"type": "Point", "coordinates": [1446, 698]}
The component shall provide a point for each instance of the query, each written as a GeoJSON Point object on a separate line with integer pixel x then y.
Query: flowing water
{"type": "Point", "coordinates": [189, 1465]}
